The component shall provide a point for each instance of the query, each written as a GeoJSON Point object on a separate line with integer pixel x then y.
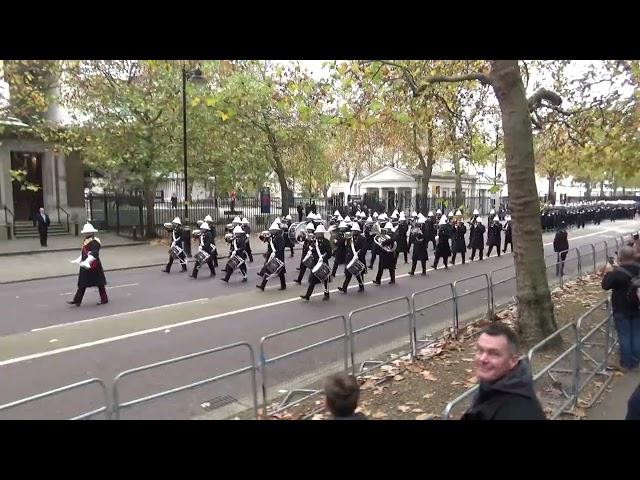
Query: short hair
{"type": "Point", "coordinates": [498, 329]}
{"type": "Point", "coordinates": [626, 254]}
{"type": "Point", "coordinates": [342, 391]}
{"type": "Point", "coordinates": [636, 236]}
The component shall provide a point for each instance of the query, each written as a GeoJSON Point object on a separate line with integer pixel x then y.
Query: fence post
{"type": "Point", "coordinates": [117, 215]}
{"type": "Point", "coordinates": [579, 262]}
{"type": "Point", "coordinates": [140, 221]}
{"type": "Point", "coordinates": [106, 211]}
{"type": "Point", "coordinates": [90, 206]}
{"type": "Point", "coordinates": [593, 249]}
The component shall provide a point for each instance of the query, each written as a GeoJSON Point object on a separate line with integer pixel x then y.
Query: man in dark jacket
{"type": "Point", "coordinates": [477, 239]}
{"type": "Point", "coordinates": [275, 248]}
{"type": "Point", "coordinates": [458, 244]}
{"type": "Point", "coordinates": [342, 393]}
{"type": "Point", "coordinates": [300, 211]}
{"type": "Point", "coordinates": [494, 238]}
{"type": "Point", "coordinates": [508, 234]}
{"type": "Point", "coordinates": [633, 405]}
{"type": "Point", "coordinates": [506, 387]}
{"type": "Point", "coordinates": [91, 273]}
{"type": "Point", "coordinates": [356, 247]}
{"type": "Point", "coordinates": [43, 221]}
{"type": "Point", "coordinates": [625, 306]}
{"type": "Point", "coordinates": [561, 247]}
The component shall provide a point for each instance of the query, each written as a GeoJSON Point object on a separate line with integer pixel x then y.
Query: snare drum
{"type": "Point", "coordinates": [201, 257]}
{"type": "Point", "coordinates": [355, 267]}
{"type": "Point", "coordinates": [308, 261]}
{"type": "Point", "coordinates": [274, 266]}
{"type": "Point", "coordinates": [175, 252]}
{"type": "Point", "coordinates": [234, 262]}
{"type": "Point", "coordinates": [321, 272]}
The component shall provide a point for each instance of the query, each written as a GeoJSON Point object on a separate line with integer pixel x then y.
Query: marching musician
{"type": "Point", "coordinates": [308, 243]}
{"type": "Point", "coordinates": [508, 234]}
{"type": "Point", "coordinates": [206, 239]}
{"type": "Point", "coordinates": [238, 249]}
{"type": "Point", "coordinates": [247, 230]}
{"type": "Point", "coordinates": [176, 241]}
{"type": "Point", "coordinates": [386, 251]}
{"type": "Point", "coordinates": [494, 236]}
{"type": "Point", "coordinates": [459, 244]}
{"type": "Point", "coordinates": [321, 251]}
{"type": "Point", "coordinates": [275, 248]}
{"type": "Point", "coordinates": [472, 226]}
{"type": "Point", "coordinates": [212, 227]}
{"type": "Point", "coordinates": [443, 249]}
{"type": "Point", "coordinates": [340, 251]}
{"type": "Point", "coordinates": [356, 247]}
{"type": "Point", "coordinates": [369, 235]}
{"type": "Point", "coordinates": [430, 230]}
{"type": "Point", "coordinates": [417, 239]}
{"type": "Point", "coordinates": [91, 273]}
{"type": "Point", "coordinates": [477, 239]}
{"type": "Point", "coordinates": [285, 234]}
{"type": "Point", "coordinates": [401, 237]}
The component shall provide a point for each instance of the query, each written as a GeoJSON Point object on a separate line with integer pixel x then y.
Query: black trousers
{"type": "Point", "coordinates": [504, 250]}
{"type": "Point", "coordinates": [392, 273]}
{"type": "Point", "coordinates": [347, 279]}
{"type": "Point", "coordinates": [414, 262]}
{"type": "Point", "coordinates": [373, 257]}
{"type": "Point", "coordinates": [77, 299]}
{"type": "Point", "coordinates": [334, 270]}
{"type": "Point", "coordinates": [182, 259]}
{"type": "Point", "coordinates": [480, 251]}
{"type": "Point", "coordinates": [313, 281]}
{"type": "Point", "coordinates": [445, 260]}
{"type": "Point", "coordinates": [430, 240]}
{"type": "Point", "coordinates": [299, 216]}
{"type": "Point", "coordinates": [303, 270]}
{"type": "Point", "coordinates": [405, 256]}
{"type": "Point", "coordinates": [43, 237]}
{"type": "Point", "coordinates": [249, 254]}
{"type": "Point", "coordinates": [243, 270]}
{"type": "Point", "coordinates": [491, 249]}
{"type": "Point", "coordinates": [453, 257]}
{"type": "Point", "coordinates": [283, 282]}
{"type": "Point", "coordinates": [560, 263]}
{"type": "Point", "coordinates": [197, 266]}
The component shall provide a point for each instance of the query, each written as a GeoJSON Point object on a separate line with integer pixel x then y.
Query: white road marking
{"type": "Point", "coordinates": [108, 288]}
{"type": "Point", "coordinates": [181, 324]}
{"type": "Point", "coordinates": [118, 314]}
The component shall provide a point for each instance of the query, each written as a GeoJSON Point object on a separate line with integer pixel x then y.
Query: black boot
{"type": "Point", "coordinates": [326, 296]}
{"type": "Point", "coordinates": [183, 269]}
{"type": "Point", "coordinates": [361, 288]}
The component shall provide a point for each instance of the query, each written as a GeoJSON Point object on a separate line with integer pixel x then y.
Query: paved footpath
{"type": "Point", "coordinates": [613, 405]}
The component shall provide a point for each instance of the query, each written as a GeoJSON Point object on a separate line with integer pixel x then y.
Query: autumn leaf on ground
{"type": "Point", "coordinates": [417, 410]}
{"type": "Point", "coordinates": [368, 385]}
{"type": "Point", "coordinates": [403, 408]}
{"type": "Point", "coordinates": [398, 378]}
{"type": "Point", "coordinates": [379, 415]}
{"type": "Point", "coordinates": [378, 390]}
{"type": "Point", "coordinates": [455, 382]}
{"type": "Point", "coordinates": [467, 359]}
{"type": "Point", "coordinates": [426, 374]}
{"type": "Point", "coordinates": [428, 395]}
{"type": "Point", "coordinates": [424, 416]}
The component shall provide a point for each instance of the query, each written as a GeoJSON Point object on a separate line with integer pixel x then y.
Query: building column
{"type": "Point", "coordinates": [414, 193]}
{"type": "Point", "coordinates": [380, 193]}
{"type": "Point", "coordinates": [48, 183]}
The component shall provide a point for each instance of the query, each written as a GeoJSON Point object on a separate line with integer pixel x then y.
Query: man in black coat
{"type": "Point", "coordinates": [43, 221]}
{"type": "Point", "coordinates": [284, 227]}
{"type": "Point", "coordinates": [494, 236]}
{"type": "Point", "coordinates": [508, 234]}
{"type": "Point", "coordinates": [206, 245]}
{"type": "Point", "coordinates": [443, 249]}
{"type": "Point", "coordinates": [275, 247]}
{"type": "Point", "coordinates": [176, 240]}
{"type": "Point", "coordinates": [401, 237]}
{"type": "Point", "coordinates": [91, 273]}
{"type": "Point", "coordinates": [430, 230]}
{"type": "Point", "coordinates": [459, 244]}
{"type": "Point", "coordinates": [477, 240]}
{"type": "Point", "coordinates": [561, 247]}
{"type": "Point", "coordinates": [419, 248]}
{"type": "Point", "coordinates": [321, 251]}
{"type": "Point", "coordinates": [306, 244]}
{"type": "Point", "coordinates": [506, 387]}
{"type": "Point", "coordinates": [300, 211]}
{"type": "Point", "coordinates": [340, 251]}
{"type": "Point", "coordinates": [239, 248]}
{"type": "Point", "coordinates": [387, 255]}
{"type": "Point", "coordinates": [357, 244]}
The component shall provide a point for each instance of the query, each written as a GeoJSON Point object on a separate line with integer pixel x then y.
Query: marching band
{"type": "Point", "coordinates": [348, 240]}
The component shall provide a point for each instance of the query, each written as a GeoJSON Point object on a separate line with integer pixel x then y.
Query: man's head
{"type": "Point", "coordinates": [636, 237]}
{"type": "Point", "coordinates": [626, 255]}
{"type": "Point", "coordinates": [342, 393]}
{"type": "Point", "coordinates": [41, 210]}
{"type": "Point", "coordinates": [496, 352]}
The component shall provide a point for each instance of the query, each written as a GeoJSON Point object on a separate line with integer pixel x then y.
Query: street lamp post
{"type": "Point", "coordinates": [196, 76]}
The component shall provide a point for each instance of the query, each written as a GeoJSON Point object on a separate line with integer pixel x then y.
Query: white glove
{"type": "Point", "coordinates": [87, 263]}
{"type": "Point", "coordinates": [77, 260]}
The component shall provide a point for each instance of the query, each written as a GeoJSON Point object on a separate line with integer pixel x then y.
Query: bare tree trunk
{"type": "Point", "coordinates": [602, 188]}
{"type": "Point", "coordinates": [552, 189]}
{"type": "Point", "coordinates": [278, 167]}
{"type": "Point", "coordinates": [426, 164]}
{"type": "Point", "coordinates": [535, 310]}
{"type": "Point", "coordinates": [587, 187]}
{"type": "Point", "coordinates": [458, 173]}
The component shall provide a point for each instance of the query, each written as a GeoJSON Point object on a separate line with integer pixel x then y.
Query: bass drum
{"type": "Point", "coordinates": [355, 267]}
{"type": "Point", "coordinates": [274, 266]}
{"type": "Point", "coordinates": [234, 262]}
{"type": "Point", "coordinates": [321, 271]}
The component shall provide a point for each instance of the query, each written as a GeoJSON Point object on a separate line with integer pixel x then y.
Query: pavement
{"type": "Point", "coordinates": [613, 404]}
{"type": "Point", "coordinates": [25, 259]}
{"type": "Point", "coordinates": [152, 316]}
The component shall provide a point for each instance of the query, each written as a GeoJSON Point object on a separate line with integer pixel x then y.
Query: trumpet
{"type": "Point", "coordinates": [228, 237]}
{"type": "Point", "coordinates": [265, 235]}
{"type": "Point", "coordinates": [381, 239]}
{"type": "Point", "coordinates": [169, 226]}
{"type": "Point", "coordinates": [196, 233]}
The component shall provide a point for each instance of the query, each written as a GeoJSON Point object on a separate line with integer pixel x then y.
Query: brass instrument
{"type": "Point", "coordinates": [265, 236]}
{"type": "Point", "coordinates": [380, 239]}
{"type": "Point", "coordinates": [169, 226]}
{"type": "Point", "coordinates": [196, 233]}
{"type": "Point", "coordinates": [228, 237]}
{"type": "Point", "coordinates": [297, 232]}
